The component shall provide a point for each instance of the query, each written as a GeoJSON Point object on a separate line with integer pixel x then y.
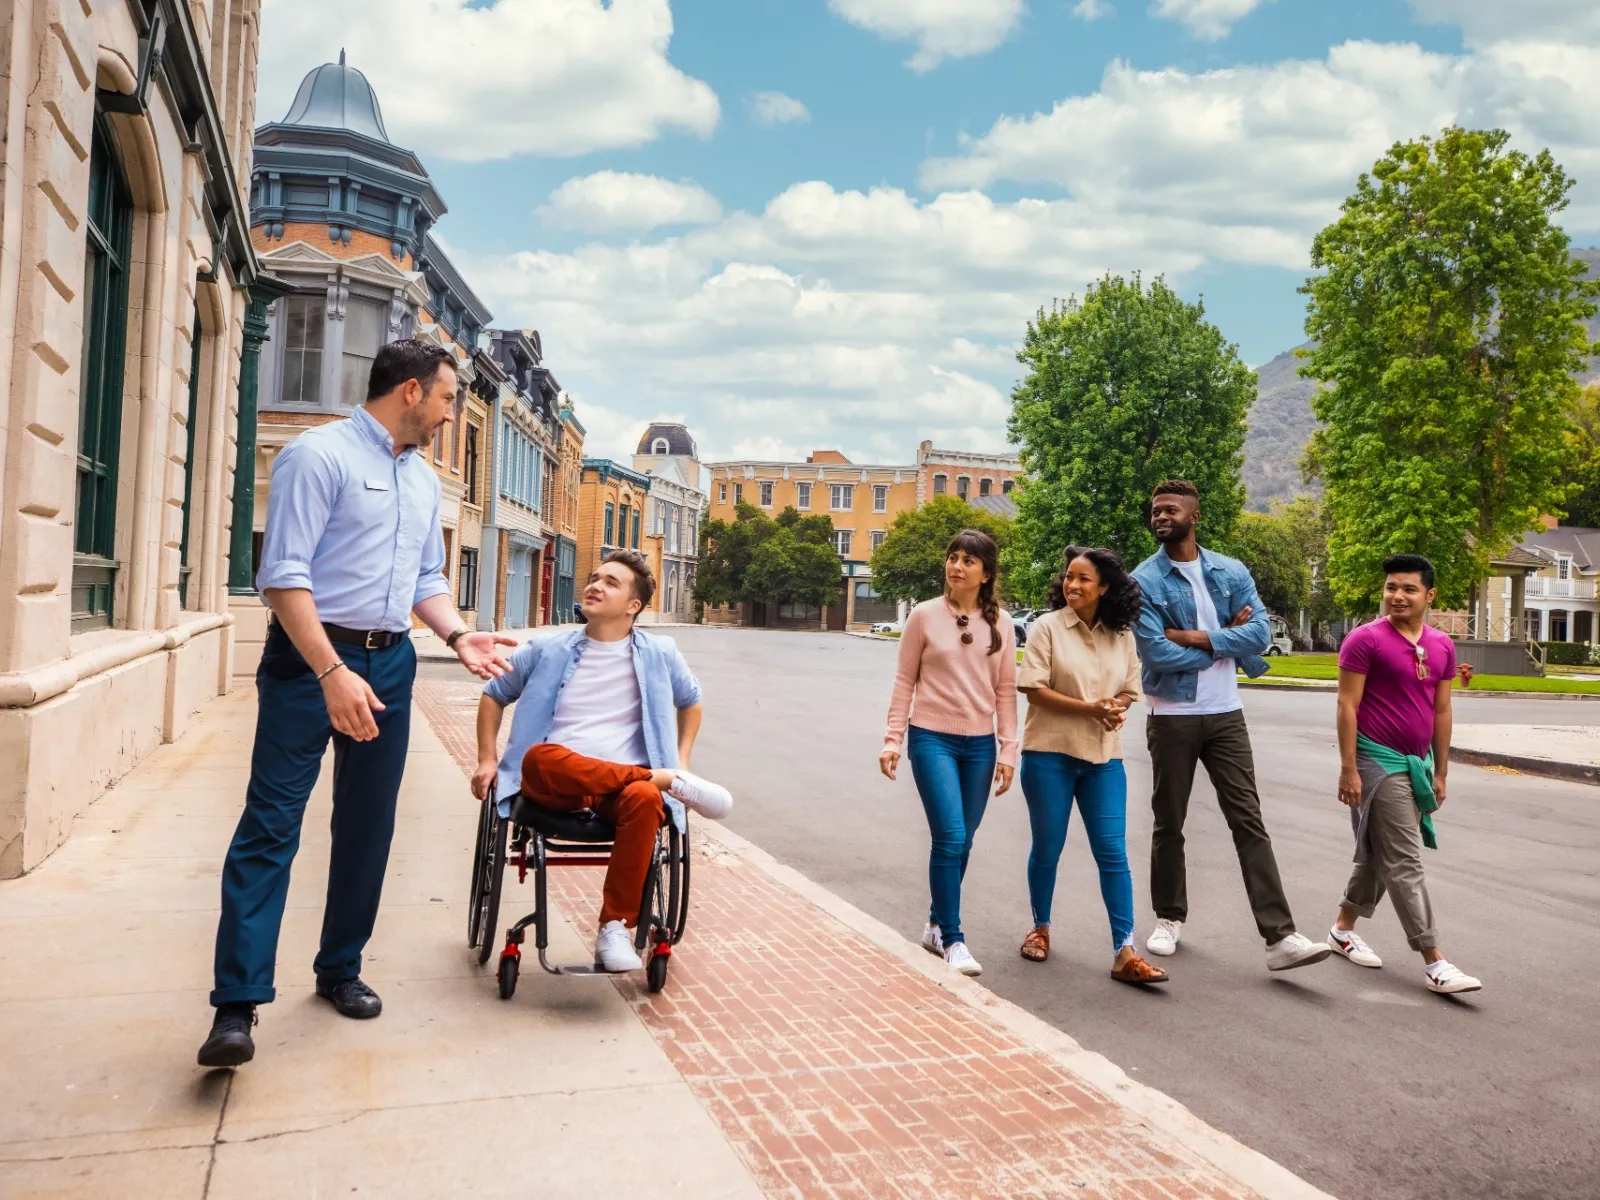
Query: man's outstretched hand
{"type": "Point", "coordinates": [478, 653]}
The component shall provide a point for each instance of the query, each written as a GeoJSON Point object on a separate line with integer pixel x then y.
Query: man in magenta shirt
{"type": "Point", "coordinates": [1394, 752]}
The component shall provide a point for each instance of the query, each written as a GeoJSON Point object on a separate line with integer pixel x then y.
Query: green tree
{"type": "Point", "coordinates": [1272, 545]}
{"type": "Point", "coordinates": [1583, 477]}
{"type": "Point", "coordinates": [1449, 321]}
{"type": "Point", "coordinates": [726, 549]}
{"type": "Point", "coordinates": [1129, 386]}
{"type": "Point", "coordinates": [910, 563]}
{"type": "Point", "coordinates": [787, 568]}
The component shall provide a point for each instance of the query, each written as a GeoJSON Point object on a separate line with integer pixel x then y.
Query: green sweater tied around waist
{"type": "Point", "coordinates": [1421, 772]}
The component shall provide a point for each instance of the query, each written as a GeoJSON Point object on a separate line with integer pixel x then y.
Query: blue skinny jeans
{"type": "Point", "coordinates": [1050, 782]}
{"type": "Point", "coordinates": [953, 773]}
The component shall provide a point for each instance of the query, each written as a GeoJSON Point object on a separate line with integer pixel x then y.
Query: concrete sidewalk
{"type": "Point", "coordinates": [105, 962]}
{"type": "Point", "coordinates": [800, 1049]}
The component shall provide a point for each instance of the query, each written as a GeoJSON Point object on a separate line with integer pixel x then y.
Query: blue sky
{"type": "Point", "coordinates": [856, 269]}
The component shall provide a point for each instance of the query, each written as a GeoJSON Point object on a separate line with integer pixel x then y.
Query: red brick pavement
{"type": "Point", "coordinates": [863, 1080]}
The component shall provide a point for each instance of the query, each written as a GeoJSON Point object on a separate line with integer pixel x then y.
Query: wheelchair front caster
{"type": "Point", "coordinates": [656, 972]}
{"type": "Point", "coordinates": [510, 964]}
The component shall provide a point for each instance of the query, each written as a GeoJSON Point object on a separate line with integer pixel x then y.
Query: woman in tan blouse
{"type": "Point", "coordinates": [1080, 673]}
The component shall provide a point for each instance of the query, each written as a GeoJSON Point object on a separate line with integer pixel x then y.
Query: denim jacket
{"type": "Point", "coordinates": [540, 668]}
{"type": "Point", "coordinates": [1171, 670]}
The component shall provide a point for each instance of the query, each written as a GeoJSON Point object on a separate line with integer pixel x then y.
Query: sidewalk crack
{"type": "Point", "coordinates": [216, 1136]}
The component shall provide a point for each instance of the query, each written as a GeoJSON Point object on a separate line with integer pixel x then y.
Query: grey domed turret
{"type": "Point", "coordinates": [336, 96]}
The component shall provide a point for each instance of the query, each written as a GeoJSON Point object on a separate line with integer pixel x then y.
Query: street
{"type": "Point", "coordinates": [1358, 1080]}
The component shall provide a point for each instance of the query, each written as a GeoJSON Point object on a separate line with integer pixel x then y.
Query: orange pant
{"type": "Point", "coordinates": [557, 778]}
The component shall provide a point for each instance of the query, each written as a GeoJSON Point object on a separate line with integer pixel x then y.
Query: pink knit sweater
{"type": "Point", "coordinates": [958, 688]}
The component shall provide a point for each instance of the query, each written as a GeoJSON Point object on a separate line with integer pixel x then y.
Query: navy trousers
{"type": "Point", "coordinates": [292, 733]}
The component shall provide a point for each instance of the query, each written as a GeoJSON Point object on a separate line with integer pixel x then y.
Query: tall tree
{"type": "Point", "coordinates": [789, 568]}
{"type": "Point", "coordinates": [790, 560]}
{"type": "Point", "coordinates": [1127, 387]}
{"type": "Point", "coordinates": [1272, 545]}
{"type": "Point", "coordinates": [1449, 321]}
{"type": "Point", "coordinates": [910, 563]}
{"type": "Point", "coordinates": [1583, 477]}
{"type": "Point", "coordinates": [726, 549]}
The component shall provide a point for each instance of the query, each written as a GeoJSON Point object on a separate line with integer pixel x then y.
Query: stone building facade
{"type": "Point", "coordinates": [677, 504]}
{"type": "Point", "coordinates": [125, 275]}
{"type": "Point", "coordinates": [611, 508]}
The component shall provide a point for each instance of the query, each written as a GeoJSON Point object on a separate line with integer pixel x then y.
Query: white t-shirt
{"type": "Point", "coordinates": [1217, 688]}
{"type": "Point", "coordinates": [598, 713]}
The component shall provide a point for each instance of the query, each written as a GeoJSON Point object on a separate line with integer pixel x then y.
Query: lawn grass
{"type": "Point", "coordinates": [1326, 667]}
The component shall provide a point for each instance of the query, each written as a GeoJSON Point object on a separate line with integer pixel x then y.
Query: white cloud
{"type": "Point", "coordinates": [1210, 20]}
{"type": "Point", "coordinates": [1092, 10]}
{"type": "Point", "coordinates": [617, 200]}
{"type": "Point", "coordinates": [941, 29]}
{"type": "Point", "coordinates": [1486, 21]}
{"type": "Point", "coordinates": [775, 108]}
{"type": "Point", "coordinates": [557, 77]}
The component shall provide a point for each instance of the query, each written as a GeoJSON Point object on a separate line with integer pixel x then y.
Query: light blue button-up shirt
{"type": "Point", "coordinates": [541, 667]}
{"type": "Point", "coordinates": [355, 525]}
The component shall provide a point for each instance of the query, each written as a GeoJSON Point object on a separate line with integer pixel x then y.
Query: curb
{"type": "Point", "coordinates": [1318, 685]}
{"type": "Point", "coordinates": [1548, 768]}
{"type": "Point", "coordinates": [1248, 1167]}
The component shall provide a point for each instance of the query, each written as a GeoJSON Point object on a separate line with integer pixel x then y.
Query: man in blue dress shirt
{"type": "Point", "coordinates": [352, 549]}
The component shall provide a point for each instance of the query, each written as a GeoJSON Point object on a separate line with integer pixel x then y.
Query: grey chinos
{"type": "Point", "coordinates": [1389, 854]}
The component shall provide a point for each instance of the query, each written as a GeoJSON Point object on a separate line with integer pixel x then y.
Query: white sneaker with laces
{"type": "Point", "coordinates": [960, 958]}
{"type": "Point", "coordinates": [1448, 979]}
{"type": "Point", "coordinates": [1165, 937]}
{"type": "Point", "coordinates": [613, 949]}
{"type": "Point", "coordinates": [1296, 950]}
{"type": "Point", "coordinates": [1349, 943]}
{"type": "Point", "coordinates": [710, 800]}
{"type": "Point", "coordinates": [933, 940]}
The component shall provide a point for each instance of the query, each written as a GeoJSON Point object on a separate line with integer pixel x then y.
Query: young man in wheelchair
{"type": "Point", "coordinates": [607, 718]}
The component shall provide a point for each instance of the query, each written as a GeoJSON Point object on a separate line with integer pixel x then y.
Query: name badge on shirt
{"type": "Point", "coordinates": [377, 485]}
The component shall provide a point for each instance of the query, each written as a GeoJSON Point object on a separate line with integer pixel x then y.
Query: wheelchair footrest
{"type": "Point", "coordinates": [593, 969]}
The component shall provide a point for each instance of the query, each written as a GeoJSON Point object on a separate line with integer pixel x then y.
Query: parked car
{"type": "Point", "coordinates": [1020, 628]}
{"type": "Point", "coordinates": [890, 627]}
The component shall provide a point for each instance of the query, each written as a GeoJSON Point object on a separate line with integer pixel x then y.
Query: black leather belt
{"type": "Point", "coordinates": [371, 639]}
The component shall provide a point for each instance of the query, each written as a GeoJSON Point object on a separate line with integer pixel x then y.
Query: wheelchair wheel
{"type": "Point", "coordinates": [481, 852]}
{"type": "Point", "coordinates": [488, 898]}
{"type": "Point", "coordinates": [679, 915]}
{"type": "Point", "coordinates": [656, 972]}
{"type": "Point", "coordinates": [509, 966]}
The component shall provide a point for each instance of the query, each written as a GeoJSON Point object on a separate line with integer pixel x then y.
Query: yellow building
{"type": "Point", "coordinates": [862, 501]}
{"type": "Point", "coordinates": [611, 508]}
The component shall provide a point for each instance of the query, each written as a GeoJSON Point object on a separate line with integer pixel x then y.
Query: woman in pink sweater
{"type": "Point", "coordinates": [955, 689]}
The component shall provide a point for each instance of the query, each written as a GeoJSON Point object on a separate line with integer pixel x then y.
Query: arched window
{"type": "Point", "coordinates": [660, 446]}
{"type": "Point", "coordinates": [105, 328]}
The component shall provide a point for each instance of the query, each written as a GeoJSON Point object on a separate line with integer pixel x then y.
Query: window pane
{"type": "Point", "coordinates": [303, 325]}
{"type": "Point", "coordinates": [364, 322]}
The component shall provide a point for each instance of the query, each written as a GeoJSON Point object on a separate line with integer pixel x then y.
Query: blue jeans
{"type": "Point", "coordinates": [1049, 784]}
{"type": "Point", "coordinates": [953, 773]}
{"type": "Point", "coordinates": [292, 733]}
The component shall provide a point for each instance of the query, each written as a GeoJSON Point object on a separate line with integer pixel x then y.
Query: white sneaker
{"type": "Point", "coordinates": [1165, 937]}
{"type": "Point", "coordinates": [710, 800]}
{"type": "Point", "coordinates": [1349, 944]}
{"type": "Point", "coordinates": [960, 958]}
{"type": "Point", "coordinates": [933, 940]}
{"type": "Point", "coordinates": [613, 949]}
{"type": "Point", "coordinates": [1448, 979]}
{"type": "Point", "coordinates": [1296, 950]}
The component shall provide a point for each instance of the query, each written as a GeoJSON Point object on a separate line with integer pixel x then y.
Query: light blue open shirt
{"type": "Point", "coordinates": [354, 524]}
{"type": "Point", "coordinates": [541, 667]}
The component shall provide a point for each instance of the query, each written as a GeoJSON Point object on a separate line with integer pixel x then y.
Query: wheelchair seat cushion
{"type": "Point", "coordinates": [580, 826]}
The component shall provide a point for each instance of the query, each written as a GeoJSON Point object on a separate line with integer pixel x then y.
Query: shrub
{"type": "Point", "coordinates": [1568, 654]}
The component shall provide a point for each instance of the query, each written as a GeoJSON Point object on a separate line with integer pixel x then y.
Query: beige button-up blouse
{"type": "Point", "coordinates": [1066, 656]}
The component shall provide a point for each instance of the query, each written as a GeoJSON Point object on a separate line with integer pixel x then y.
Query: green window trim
{"type": "Point", "coordinates": [109, 234]}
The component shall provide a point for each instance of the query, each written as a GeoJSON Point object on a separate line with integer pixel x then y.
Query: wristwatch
{"type": "Point", "coordinates": [450, 642]}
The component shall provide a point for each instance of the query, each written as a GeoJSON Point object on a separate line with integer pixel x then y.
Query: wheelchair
{"type": "Point", "coordinates": [531, 838]}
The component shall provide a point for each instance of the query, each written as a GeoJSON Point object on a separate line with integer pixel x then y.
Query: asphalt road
{"type": "Point", "coordinates": [1361, 1081]}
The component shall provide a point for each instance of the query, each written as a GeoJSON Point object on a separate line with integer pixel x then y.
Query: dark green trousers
{"type": "Point", "coordinates": [1221, 744]}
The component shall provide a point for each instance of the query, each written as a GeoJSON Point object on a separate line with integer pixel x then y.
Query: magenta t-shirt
{"type": "Point", "coordinates": [1397, 707]}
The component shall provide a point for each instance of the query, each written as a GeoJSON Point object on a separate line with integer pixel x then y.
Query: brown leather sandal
{"type": "Point", "coordinates": [1136, 970]}
{"type": "Point", "coordinates": [1036, 946]}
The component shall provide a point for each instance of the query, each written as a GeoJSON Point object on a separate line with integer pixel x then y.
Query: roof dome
{"type": "Point", "coordinates": [335, 96]}
{"type": "Point", "coordinates": [676, 440]}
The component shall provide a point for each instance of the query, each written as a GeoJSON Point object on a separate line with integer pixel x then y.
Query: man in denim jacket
{"type": "Point", "coordinates": [1200, 623]}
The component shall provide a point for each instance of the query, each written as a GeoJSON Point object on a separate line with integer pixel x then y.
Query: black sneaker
{"type": "Point", "coordinates": [230, 1043]}
{"type": "Point", "coordinates": [351, 997]}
